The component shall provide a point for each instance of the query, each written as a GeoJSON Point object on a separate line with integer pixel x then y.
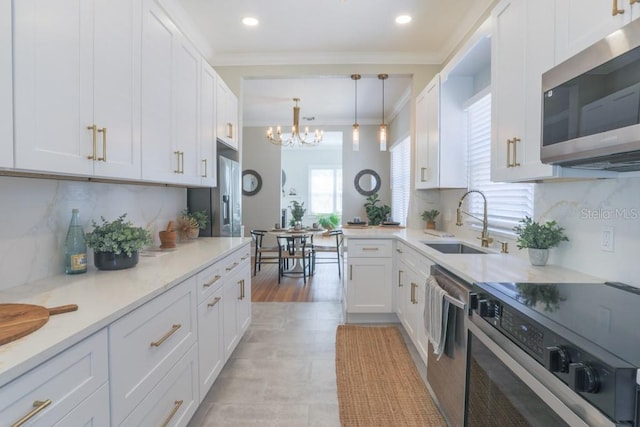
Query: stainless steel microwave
{"type": "Point", "coordinates": [591, 106]}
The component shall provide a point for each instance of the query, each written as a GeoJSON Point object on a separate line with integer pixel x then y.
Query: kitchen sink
{"type": "Point", "coordinates": [454, 248]}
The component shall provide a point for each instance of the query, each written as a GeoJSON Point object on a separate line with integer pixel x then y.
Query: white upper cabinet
{"type": "Point", "coordinates": [6, 89]}
{"type": "Point", "coordinates": [521, 50]}
{"type": "Point", "coordinates": [226, 115]}
{"type": "Point", "coordinates": [75, 87]}
{"type": "Point", "coordinates": [580, 23]}
{"type": "Point", "coordinates": [439, 150]}
{"type": "Point", "coordinates": [208, 126]}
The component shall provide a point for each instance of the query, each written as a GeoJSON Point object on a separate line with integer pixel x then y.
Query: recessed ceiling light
{"type": "Point", "coordinates": [249, 21]}
{"type": "Point", "coordinates": [403, 19]}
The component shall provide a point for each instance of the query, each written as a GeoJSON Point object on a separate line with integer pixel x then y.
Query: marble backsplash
{"type": "Point", "coordinates": [35, 215]}
{"type": "Point", "coordinates": [582, 208]}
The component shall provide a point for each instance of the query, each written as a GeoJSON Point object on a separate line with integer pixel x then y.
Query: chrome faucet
{"type": "Point", "coordinates": [484, 238]}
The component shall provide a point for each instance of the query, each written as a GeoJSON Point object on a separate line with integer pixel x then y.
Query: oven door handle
{"type": "Point", "coordinates": [567, 404]}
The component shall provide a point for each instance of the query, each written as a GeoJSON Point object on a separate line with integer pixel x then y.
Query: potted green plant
{"type": "Point", "coordinates": [375, 213]}
{"type": "Point", "coordinates": [329, 221]}
{"type": "Point", "coordinates": [538, 238]}
{"type": "Point", "coordinates": [430, 218]}
{"type": "Point", "coordinates": [297, 212]}
{"type": "Point", "coordinates": [116, 243]}
{"type": "Point", "coordinates": [190, 224]}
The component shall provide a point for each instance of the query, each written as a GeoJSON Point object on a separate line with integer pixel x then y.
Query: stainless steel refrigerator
{"type": "Point", "coordinates": [223, 203]}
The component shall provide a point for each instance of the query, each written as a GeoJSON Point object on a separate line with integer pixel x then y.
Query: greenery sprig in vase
{"type": "Point", "coordinates": [116, 243]}
{"type": "Point", "coordinates": [538, 238]}
{"type": "Point", "coordinates": [190, 223]}
{"type": "Point", "coordinates": [297, 212]}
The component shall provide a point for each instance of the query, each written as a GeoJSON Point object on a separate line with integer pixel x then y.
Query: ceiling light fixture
{"type": "Point", "coordinates": [249, 21]}
{"type": "Point", "coordinates": [356, 126]}
{"type": "Point", "coordinates": [295, 138]}
{"type": "Point", "coordinates": [383, 127]}
{"type": "Point", "coordinates": [403, 19]}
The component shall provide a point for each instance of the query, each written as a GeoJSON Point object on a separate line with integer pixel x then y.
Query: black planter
{"type": "Point", "coordinates": [111, 261]}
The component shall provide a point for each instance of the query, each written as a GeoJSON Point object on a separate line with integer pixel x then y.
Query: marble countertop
{"type": "Point", "coordinates": [102, 297]}
{"type": "Point", "coordinates": [492, 267]}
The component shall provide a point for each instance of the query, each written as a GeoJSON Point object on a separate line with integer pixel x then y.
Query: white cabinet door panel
{"type": "Point", "coordinates": [6, 87]}
{"type": "Point", "coordinates": [208, 148]}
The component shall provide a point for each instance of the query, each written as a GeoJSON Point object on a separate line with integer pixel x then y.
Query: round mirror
{"type": "Point", "coordinates": [251, 182]}
{"type": "Point", "coordinates": [367, 182]}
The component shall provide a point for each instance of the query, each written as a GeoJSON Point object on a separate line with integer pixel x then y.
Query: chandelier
{"type": "Point", "coordinates": [295, 138]}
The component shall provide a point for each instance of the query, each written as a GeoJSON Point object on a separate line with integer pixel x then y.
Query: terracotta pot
{"type": "Point", "coordinates": [167, 239]}
{"type": "Point", "coordinates": [431, 225]}
{"type": "Point", "coordinates": [111, 261]}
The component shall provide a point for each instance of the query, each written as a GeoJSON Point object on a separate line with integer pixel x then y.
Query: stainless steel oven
{"type": "Point", "coordinates": [553, 354]}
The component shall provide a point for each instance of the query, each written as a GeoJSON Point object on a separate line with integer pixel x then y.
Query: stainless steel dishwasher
{"type": "Point", "coordinates": [447, 376]}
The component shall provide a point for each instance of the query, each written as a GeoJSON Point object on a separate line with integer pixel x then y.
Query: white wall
{"type": "Point", "coordinates": [35, 215]}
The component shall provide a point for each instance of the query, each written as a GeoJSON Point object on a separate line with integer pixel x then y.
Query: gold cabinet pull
{"type": "Point", "coordinates": [94, 137]}
{"type": "Point", "coordinates": [515, 162]}
{"type": "Point", "coordinates": [422, 171]}
{"type": "Point", "coordinates": [232, 266]}
{"type": "Point", "coordinates": [509, 153]}
{"type": "Point", "coordinates": [400, 278]}
{"type": "Point", "coordinates": [177, 153]}
{"type": "Point", "coordinates": [615, 10]}
{"type": "Point", "coordinates": [38, 406]}
{"type": "Point", "coordinates": [399, 250]}
{"type": "Point", "coordinates": [176, 405]}
{"type": "Point", "coordinates": [214, 302]}
{"type": "Point", "coordinates": [166, 336]}
{"type": "Point", "coordinates": [205, 168]}
{"type": "Point", "coordinates": [350, 271]}
{"type": "Point", "coordinates": [212, 281]}
{"type": "Point", "coordinates": [230, 130]}
{"type": "Point", "coordinates": [240, 284]}
{"type": "Point", "coordinates": [413, 293]}
{"type": "Point", "coordinates": [182, 162]}
{"type": "Point", "coordinates": [370, 249]}
{"type": "Point", "coordinates": [103, 131]}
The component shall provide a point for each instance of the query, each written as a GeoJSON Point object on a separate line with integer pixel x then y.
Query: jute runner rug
{"type": "Point", "coordinates": [378, 383]}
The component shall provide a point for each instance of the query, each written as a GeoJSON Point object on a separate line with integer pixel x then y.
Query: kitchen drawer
{"type": "Point", "coordinates": [370, 248]}
{"type": "Point", "coordinates": [94, 411]}
{"type": "Point", "coordinates": [210, 279]}
{"type": "Point", "coordinates": [236, 259]}
{"type": "Point", "coordinates": [147, 342]}
{"type": "Point", "coordinates": [65, 379]}
{"type": "Point", "coordinates": [174, 400]}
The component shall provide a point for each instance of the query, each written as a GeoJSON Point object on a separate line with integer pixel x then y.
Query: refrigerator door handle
{"type": "Point", "coordinates": [225, 209]}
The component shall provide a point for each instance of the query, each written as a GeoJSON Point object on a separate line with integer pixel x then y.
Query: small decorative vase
{"type": "Point", "coordinates": [193, 233]}
{"type": "Point", "coordinates": [111, 261]}
{"type": "Point", "coordinates": [431, 225]}
{"type": "Point", "coordinates": [538, 256]}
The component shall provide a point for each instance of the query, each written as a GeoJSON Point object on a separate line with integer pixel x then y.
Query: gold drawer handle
{"type": "Point", "coordinates": [370, 249]}
{"type": "Point", "coordinates": [212, 281]}
{"type": "Point", "coordinates": [166, 336]}
{"type": "Point", "coordinates": [234, 265]}
{"type": "Point", "coordinates": [241, 284]}
{"type": "Point", "coordinates": [38, 406]}
{"type": "Point", "coordinates": [214, 302]}
{"type": "Point", "coordinates": [94, 138]}
{"type": "Point", "coordinates": [413, 293]}
{"type": "Point", "coordinates": [205, 168]}
{"type": "Point", "coordinates": [230, 130]}
{"type": "Point", "coordinates": [103, 131]}
{"type": "Point", "coordinates": [245, 257]}
{"type": "Point", "coordinates": [422, 171]}
{"type": "Point", "coordinates": [176, 405]}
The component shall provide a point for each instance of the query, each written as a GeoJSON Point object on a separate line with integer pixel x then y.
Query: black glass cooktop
{"type": "Point", "coordinates": [606, 314]}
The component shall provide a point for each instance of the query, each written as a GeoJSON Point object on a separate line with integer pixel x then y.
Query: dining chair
{"type": "Point", "coordinates": [335, 251]}
{"type": "Point", "coordinates": [296, 248]}
{"type": "Point", "coordinates": [262, 254]}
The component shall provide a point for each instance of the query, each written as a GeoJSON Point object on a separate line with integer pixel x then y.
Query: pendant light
{"type": "Point", "coordinates": [383, 127]}
{"type": "Point", "coordinates": [356, 126]}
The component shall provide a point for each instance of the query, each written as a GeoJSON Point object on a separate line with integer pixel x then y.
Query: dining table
{"type": "Point", "coordinates": [297, 235]}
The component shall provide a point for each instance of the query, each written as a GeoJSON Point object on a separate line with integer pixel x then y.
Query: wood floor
{"type": "Point", "coordinates": [324, 285]}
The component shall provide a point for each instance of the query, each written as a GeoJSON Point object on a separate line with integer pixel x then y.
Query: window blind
{"type": "Point", "coordinates": [507, 202]}
{"type": "Point", "coordinates": [400, 180]}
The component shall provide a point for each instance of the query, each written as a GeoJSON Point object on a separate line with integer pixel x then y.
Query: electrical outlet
{"type": "Point", "coordinates": [606, 238]}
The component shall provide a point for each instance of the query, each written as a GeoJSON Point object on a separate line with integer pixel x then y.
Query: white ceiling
{"type": "Point", "coordinates": [329, 32]}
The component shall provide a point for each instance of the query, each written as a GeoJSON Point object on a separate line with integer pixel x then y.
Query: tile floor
{"type": "Point", "coordinates": [283, 371]}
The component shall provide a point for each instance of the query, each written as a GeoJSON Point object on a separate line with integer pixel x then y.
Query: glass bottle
{"type": "Point", "coordinates": [75, 246]}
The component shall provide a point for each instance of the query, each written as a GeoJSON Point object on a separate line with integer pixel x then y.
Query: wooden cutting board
{"type": "Point", "coordinates": [18, 320]}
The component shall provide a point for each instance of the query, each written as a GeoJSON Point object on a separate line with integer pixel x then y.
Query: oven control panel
{"type": "Point", "coordinates": [579, 370]}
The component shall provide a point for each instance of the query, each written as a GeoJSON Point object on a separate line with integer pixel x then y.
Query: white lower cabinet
{"type": "Point", "coordinates": [413, 271]}
{"type": "Point", "coordinates": [369, 276]}
{"type": "Point", "coordinates": [210, 343]}
{"type": "Point", "coordinates": [174, 400]}
{"type": "Point", "coordinates": [237, 305]}
{"type": "Point", "coordinates": [146, 343]}
{"type": "Point", "coordinates": [60, 385]}
{"type": "Point", "coordinates": [94, 411]}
